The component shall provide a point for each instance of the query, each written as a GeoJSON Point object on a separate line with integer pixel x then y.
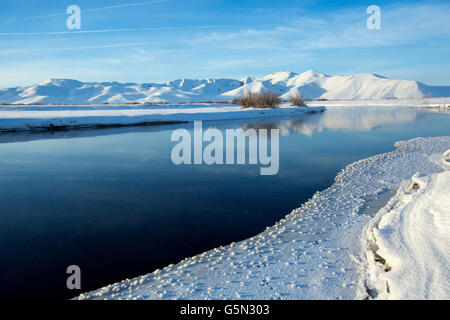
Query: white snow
{"type": "Point", "coordinates": [316, 252]}
{"type": "Point", "coordinates": [310, 84]}
{"type": "Point", "coordinates": [41, 117]}
{"type": "Point", "coordinates": [408, 253]}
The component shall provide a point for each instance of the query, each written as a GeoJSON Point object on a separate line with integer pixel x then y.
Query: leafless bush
{"type": "Point", "coordinates": [296, 100]}
{"type": "Point", "coordinates": [268, 99]}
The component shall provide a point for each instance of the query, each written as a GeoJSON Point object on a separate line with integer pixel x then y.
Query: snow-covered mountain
{"type": "Point", "coordinates": [310, 84]}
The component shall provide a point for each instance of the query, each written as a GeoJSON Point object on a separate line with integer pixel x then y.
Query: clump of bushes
{"type": "Point", "coordinates": [296, 100]}
{"type": "Point", "coordinates": [268, 99]}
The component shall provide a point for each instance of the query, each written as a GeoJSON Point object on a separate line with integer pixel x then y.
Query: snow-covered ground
{"type": "Point", "coordinates": [407, 244]}
{"type": "Point", "coordinates": [317, 251]}
{"type": "Point", "coordinates": [51, 117]}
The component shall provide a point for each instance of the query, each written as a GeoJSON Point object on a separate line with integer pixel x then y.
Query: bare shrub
{"type": "Point", "coordinates": [236, 101]}
{"type": "Point", "coordinates": [296, 100]}
{"type": "Point", "coordinates": [216, 102]}
{"type": "Point", "coordinates": [268, 99]}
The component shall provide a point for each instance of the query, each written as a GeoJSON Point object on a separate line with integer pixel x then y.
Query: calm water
{"type": "Point", "coordinates": [112, 202]}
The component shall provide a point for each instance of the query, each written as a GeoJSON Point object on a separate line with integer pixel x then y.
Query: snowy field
{"type": "Point", "coordinates": [25, 118]}
{"type": "Point", "coordinates": [320, 251]}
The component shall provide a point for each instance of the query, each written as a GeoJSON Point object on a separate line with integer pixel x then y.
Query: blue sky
{"type": "Point", "coordinates": [160, 40]}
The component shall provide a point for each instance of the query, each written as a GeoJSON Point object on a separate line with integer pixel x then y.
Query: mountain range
{"type": "Point", "coordinates": [310, 84]}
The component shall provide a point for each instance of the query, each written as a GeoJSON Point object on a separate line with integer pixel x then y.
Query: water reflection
{"type": "Point", "coordinates": [337, 118]}
{"type": "Point", "coordinates": [342, 118]}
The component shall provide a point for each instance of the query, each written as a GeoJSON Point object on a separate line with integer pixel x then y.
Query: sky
{"type": "Point", "coordinates": [161, 40]}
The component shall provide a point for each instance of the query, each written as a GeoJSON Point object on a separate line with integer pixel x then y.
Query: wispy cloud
{"type": "Point", "coordinates": [141, 55]}
{"type": "Point", "coordinates": [401, 24]}
{"type": "Point", "coordinates": [215, 64]}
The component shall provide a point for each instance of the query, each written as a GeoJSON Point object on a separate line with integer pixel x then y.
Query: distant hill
{"type": "Point", "coordinates": [310, 84]}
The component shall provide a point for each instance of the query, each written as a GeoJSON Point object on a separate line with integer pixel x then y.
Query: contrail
{"type": "Point", "coordinates": [126, 30]}
{"type": "Point", "coordinates": [106, 46]}
{"type": "Point", "coordinates": [91, 10]}
{"type": "Point", "coordinates": [127, 5]}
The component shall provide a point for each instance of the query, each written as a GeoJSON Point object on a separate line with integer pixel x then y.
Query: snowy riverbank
{"type": "Point", "coordinates": [28, 118]}
{"type": "Point", "coordinates": [408, 256]}
{"type": "Point", "coordinates": [316, 252]}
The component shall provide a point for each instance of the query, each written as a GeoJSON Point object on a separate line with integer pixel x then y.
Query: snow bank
{"type": "Point", "coordinates": [66, 117]}
{"type": "Point", "coordinates": [408, 241]}
{"type": "Point", "coordinates": [313, 253]}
